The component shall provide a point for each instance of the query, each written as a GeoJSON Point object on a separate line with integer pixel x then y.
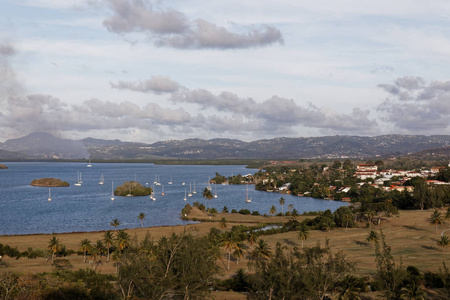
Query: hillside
{"type": "Point", "coordinates": [45, 146]}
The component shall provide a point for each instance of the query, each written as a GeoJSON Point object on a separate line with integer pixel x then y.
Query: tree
{"type": "Point", "coordinates": [282, 202]}
{"type": "Point", "coordinates": [350, 288]}
{"type": "Point", "coordinates": [141, 217]}
{"type": "Point", "coordinates": [303, 233]}
{"type": "Point", "coordinates": [261, 251]}
{"type": "Point", "coordinates": [115, 223]}
{"type": "Point", "coordinates": [272, 211]}
{"type": "Point", "coordinates": [108, 239]}
{"type": "Point", "coordinates": [238, 251]}
{"type": "Point", "coordinates": [223, 223]}
{"type": "Point", "coordinates": [252, 237]}
{"type": "Point", "coordinates": [122, 240]}
{"type": "Point", "coordinates": [98, 250]}
{"type": "Point", "coordinates": [207, 194]}
{"type": "Point", "coordinates": [54, 246]}
{"type": "Point", "coordinates": [85, 247]}
{"type": "Point", "coordinates": [230, 243]}
{"type": "Point", "coordinates": [444, 242]}
{"type": "Point", "coordinates": [436, 218]}
{"type": "Point", "coordinates": [389, 274]}
{"type": "Point", "coordinates": [372, 237]}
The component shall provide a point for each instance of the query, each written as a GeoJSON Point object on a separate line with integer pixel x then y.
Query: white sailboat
{"type": "Point", "coordinates": [190, 194]}
{"type": "Point", "coordinates": [152, 195]}
{"type": "Point", "coordinates": [78, 183]}
{"type": "Point", "coordinates": [170, 182]}
{"type": "Point", "coordinates": [49, 195]}
{"type": "Point", "coordinates": [112, 191]}
{"type": "Point", "coordinates": [162, 192]}
{"type": "Point", "coordinates": [102, 180]}
{"type": "Point", "coordinates": [194, 191]}
{"type": "Point", "coordinates": [215, 190]}
{"type": "Point", "coordinates": [209, 184]}
{"type": "Point", "coordinates": [89, 165]}
{"type": "Point", "coordinates": [183, 183]}
{"type": "Point", "coordinates": [185, 199]}
{"type": "Point", "coordinates": [247, 199]}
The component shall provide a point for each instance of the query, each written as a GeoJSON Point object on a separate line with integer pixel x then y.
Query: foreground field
{"type": "Point", "coordinates": [412, 238]}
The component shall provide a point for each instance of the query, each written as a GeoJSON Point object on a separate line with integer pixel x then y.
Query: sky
{"type": "Point", "coordinates": [147, 71]}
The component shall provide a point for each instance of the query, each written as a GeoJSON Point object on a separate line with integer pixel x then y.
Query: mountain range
{"type": "Point", "coordinates": [47, 146]}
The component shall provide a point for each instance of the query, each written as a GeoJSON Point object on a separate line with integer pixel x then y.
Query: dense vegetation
{"type": "Point", "coordinates": [49, 182]}
{"type": "Point", "coordinates": [3, 166]}
{"type": "Point", "coordinates": [132, 188]}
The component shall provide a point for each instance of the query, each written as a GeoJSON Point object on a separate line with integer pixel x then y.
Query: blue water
{"type": "Point", "coordinates": [24, 209]}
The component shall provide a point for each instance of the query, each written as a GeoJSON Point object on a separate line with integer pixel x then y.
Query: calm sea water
{"type": "Point", "coordinates": [24, 209]}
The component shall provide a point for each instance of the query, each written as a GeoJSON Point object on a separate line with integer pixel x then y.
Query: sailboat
{"type": "Point", "coordinates": [215, 190]}
{"type": "Point", "coordinates": [190, 194]}
{"type": "Point", "coordinates": [185, 199]}
{"type": "Point", "coordinates": [194, 192]}
{"type": "Point", "coordinates": [78, 183]}
{"type": "Point", "coordinates": [102, 180]}
{"type": "Point", "coordinates": [209, 184]}
{"type": "Point", "coordinates": [162, 193]}
{"type": "Point", "coordinates": [170, 182]}
{"type": "Point", "coordinates": [89, 165]}
{"type": "Point", "coordinates": [247, 199]}
{"type": "Point", "coordinates": [112, 191]}
{"type": "Point", "coordinates": [49, 195]}
{"type": "Point", "coordinates": [152, 195]}
{"type": "Point", "coordinates": [183, 183]}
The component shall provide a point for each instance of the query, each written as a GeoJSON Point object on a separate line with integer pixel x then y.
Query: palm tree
{"type": "Point", "coordinates": [123, 240]}
{"type": "Point", "coordinates": [261, 251]}
{"type": "Point", "coordinates": [54, 246]}
{"type": "Point", "coordinates": [115, 223]}
{"type": "Point", "coordinates": [252, 237]}
{"type": "Point", "coordinates": [85, 247]}
{"type": "Point", "coordinates": [348, 216]}
{"type": "Point", "coordinates": [372, 236]}
{"type": "Point", "coordinates": [282, 202]}
{"type": "Point", "coordinates": [413, 291]}
{"type": "Point", "coordinates": [98, 249]}
{"type": "Point", "coordinates": [238, 252]}
{"type": "Point", "coordinates": [141, 217]}
{"type": "Point", "coordinates": [370, 215]}
{"type": "Point", "coordinates": [223, 223]}
{"type": "Point", "coordinates": [447, 214]}
{"type": "Point", "coordinates": [436, 218]}
{"type": "Point", "coordinates": [295, 213]}
{"type": "Point", "coordinates": [348, 288]}
{"type": "Point", "coordinates": [229, 242]}
{"type": "Point", "coordinates": [207, 194]}
{"type": "Point", "coordinates": [290, 207]}
{"type": "Point", "coordinates": [272, 211]}
{"type": "Point", "coordinates": [303, 233]}
{"type": "Point", "coordinates": [108, 238]}
{"type": "Point", "coordinates": [444, 242]}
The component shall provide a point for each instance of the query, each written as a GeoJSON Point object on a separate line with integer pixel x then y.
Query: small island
{"type": "Point", "coordinates": [132, 188]}
{"type": "Point", "coordinates": [3, 166]}
{"type": "Point", "coordinates": [49, 182]}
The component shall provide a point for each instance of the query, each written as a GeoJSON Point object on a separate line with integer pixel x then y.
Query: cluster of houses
{"type": "Point", "coordinates": [365, 171]}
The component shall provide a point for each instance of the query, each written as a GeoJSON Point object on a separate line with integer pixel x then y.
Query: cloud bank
{"type": "Point", "coordinates": [416, 106]}
{"type": "Point", "coordinates": [172, 28]}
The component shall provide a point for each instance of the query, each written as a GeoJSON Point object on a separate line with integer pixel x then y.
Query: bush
{"type": "Point", "coordinates": [233, 211]}
{"type": "Point", "coordinates": [255, 213]}
{"type": "Point", "coordinates": [245, 212]}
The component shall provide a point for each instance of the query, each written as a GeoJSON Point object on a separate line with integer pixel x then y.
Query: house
{"type": "Point", "coordinates": [366, 168]}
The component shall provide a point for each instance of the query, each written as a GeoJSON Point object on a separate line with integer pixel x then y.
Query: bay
{"type": "Point", "coordinates": [24, 209]}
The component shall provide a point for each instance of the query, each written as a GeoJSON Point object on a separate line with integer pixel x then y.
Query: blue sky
{"type": "Point", "coordinates": [146, 71]}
